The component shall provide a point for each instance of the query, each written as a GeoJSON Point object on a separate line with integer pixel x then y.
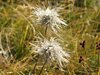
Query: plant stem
{"type": "Point", "coordinates": [46, 31]}
{"type": "Point", "coordinates": [46, 3]}
{"type": "Point", "coordinates": [43, 67]}
{"type": "Point", "coordinates": [35, 65]}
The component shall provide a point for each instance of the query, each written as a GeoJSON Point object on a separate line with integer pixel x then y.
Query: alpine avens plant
{"type": "Point", "coordinates": [53, 51]}
{"type": "Point", "coordinates": [49, 18]}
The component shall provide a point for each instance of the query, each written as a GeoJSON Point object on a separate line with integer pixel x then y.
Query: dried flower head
{"type": "Point", "coordinates": [52, 50]}
{"type": "Point", "coordinates": [83, 44]}
{"type": "Point", "coordinates": [97, 45]}
{"type": "Point", "coordinates": [49, 17]}
{"type": "Point", "coordinates": [81, 59]}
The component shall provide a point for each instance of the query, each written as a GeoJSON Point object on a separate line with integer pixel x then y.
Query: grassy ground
{"type": "Point", "coordinates": [18, 29]}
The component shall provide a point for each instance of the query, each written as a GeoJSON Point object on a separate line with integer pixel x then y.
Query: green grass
{"type": "Point", "coordinates": [17, 30]}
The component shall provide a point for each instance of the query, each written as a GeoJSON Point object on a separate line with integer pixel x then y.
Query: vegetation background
{"type": "Point", "coordinates": [18, 29]}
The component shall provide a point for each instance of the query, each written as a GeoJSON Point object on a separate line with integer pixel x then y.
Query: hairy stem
{"type": "Point", "coordinates": [43, 67]}
{"type": "Point", "coordinates": [46, 29]}
{"type": "Point", "coordinates": [35, 64]}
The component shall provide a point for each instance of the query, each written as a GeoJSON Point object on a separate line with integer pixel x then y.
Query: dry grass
{"type": "Point", "coordinates": [18, 29]}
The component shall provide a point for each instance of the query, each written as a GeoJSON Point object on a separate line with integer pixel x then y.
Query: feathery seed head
{"type": "Point", "coordinates": [52, 49]}
{"type": "Point", "coordinates": [49, 17]}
